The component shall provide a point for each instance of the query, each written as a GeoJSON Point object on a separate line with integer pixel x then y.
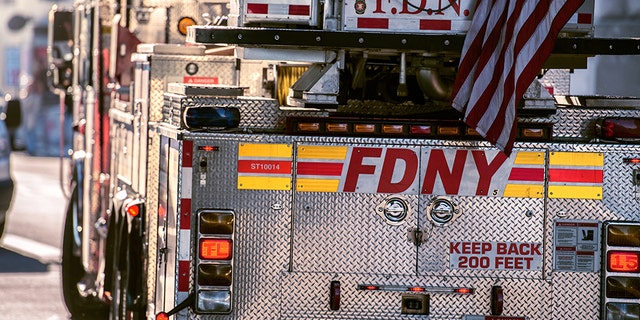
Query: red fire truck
{"type": "Point", "coordinates": [301, 160]}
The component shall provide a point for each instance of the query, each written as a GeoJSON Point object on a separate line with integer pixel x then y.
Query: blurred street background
{"type": "Point", "coordinates": [30, 248]}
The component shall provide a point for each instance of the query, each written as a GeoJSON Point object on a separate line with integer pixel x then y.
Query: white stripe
{"type": "Point", "coordinates": [187, 175]}
{"type": "Point", "coordinates": [184, 251]}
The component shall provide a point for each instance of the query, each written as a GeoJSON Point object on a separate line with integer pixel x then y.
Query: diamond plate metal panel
{"type": "Point", "coordinates": [172, 68]}
{"type": "Point", "coordinates": [152, 214]}
{"type": "Point", "coordinates": [291, 245]}
{"type": "Point", "coordinates": [263, 227]}
{"type": "Point", "coordinates": [576, 294]}
{"type": "Point", "coordinates": [359, 304]}
{"type": "Point", "coordinates": [343, 233]}
{"type": "Point", "coordinates": [578, 124]}
{"type": "Point", "coordinates": [482, 219]}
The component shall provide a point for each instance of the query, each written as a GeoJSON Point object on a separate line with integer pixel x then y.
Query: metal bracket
{"type": "Point", "coordinates": [415, 235]}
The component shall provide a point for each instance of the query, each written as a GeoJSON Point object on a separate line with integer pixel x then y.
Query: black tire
{"type": "Point", "coordinates": [72, 272]}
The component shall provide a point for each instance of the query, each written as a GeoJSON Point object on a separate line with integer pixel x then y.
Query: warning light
{"type": "Point", "coordinates": [162, 316]}
{"type": "Point", "coordinates": [417, 289]}
{"type": "Point", "coordinates": [368, 287]}
{"type": "Point", "coordinates": [619, 128]}
{"type": "Point", "coordinates": [184, 23]}
{"type": "Point", "coordinates": [215, 249]}
{"type": "Point", "coordinates": [631, 160]}
{"type": "Point", "coordinates": [464, 290]}
{"type": "Point", "coordinates": [133, 210]}
{"type": "Point", "coordinates": [623, 261]}
{"type": "Point", "coordinates": [621, 270]}
{"type": "Point", "coordinates": [208, 148]}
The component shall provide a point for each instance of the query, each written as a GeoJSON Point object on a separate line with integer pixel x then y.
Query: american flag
{"type": "Point", "coordinates": [505, 48]}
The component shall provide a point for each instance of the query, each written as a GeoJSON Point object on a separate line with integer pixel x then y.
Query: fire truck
{"type": "Point", "coordinates": [267, 159]}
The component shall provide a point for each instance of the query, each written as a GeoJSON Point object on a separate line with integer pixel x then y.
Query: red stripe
{"type": "Point", "coordinates": [575, 175]}
{"type": "Point", "coordinates": [183, 275]}
{"type": "Point", "coordinates": [264, 166]}
{"type": "Point", "coordinates": [185, 214]}
{"type": "Point", "coordinates": [257, 8]}
{"type": "Point", "coordinates": [427, 24]}
{"type": "Point", "coordinates": [187, 153]}
{"type": "Point", "coordinates": [527, 174]}
{"type": "Point", "coordinates": [373, 23]}
{"type": "Point", "coordinates": [299, 10]}
{"type": "Point", "coordinates": [584, 18]}
{"type": "Point", "coordinates": [319, 169]}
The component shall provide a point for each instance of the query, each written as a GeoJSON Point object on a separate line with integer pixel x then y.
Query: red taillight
{"type": "Point", "coordinates": [417, 289]}
{"type": "Point", "coordinates": [623, 261]}
{"type": "Point", "coordinates": [215, 249]}
{"type": "Point", "coordinates": [162, 316]}
{"type": "Point", "coordinates": [133, 210]}
{"type": "Point", "coordinates": [622, 129]}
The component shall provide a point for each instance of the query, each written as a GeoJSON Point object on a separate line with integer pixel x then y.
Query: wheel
{"type": "Point", "coordinates": [80, 306]}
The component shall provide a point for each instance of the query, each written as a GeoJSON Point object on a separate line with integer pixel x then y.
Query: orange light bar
{"type": "Point", "coordinates": [392, 128]}
{"type": "Point", "coordinates": [337, 127]}
{"type": "Point", "coordinates": [133, 210]}
{"type": "Point", "coordinates": [309, 126]}
{"type": "Point", "coordinates": [631, 160]}
{"type": "Point", "coordinates": [417, 289]}
{"type": "Point", "coordinates": [532, 133]}
{"type": "Point", "coordinates": [364, 128]}
{"type": "Point", "coordinates": [215, 249]}
{"type": "Point", "coordinates": [472, 132]}
{"type": "Point", "coordinates": [622, 261]}
{"type": "Point", "coordinates": [449, 131]}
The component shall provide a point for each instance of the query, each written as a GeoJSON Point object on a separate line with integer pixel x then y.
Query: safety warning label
{"type": "Point", "coordinates": [495, 255]}
{"type": "Point", "coordinates": [576, 245]}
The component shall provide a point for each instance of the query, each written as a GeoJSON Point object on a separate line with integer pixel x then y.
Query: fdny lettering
{"type": "Point", "coordinates": [430, 6]}
{"type": "Point", "coordinates": [495, 255]}
{"type": "Point", "coordinates": [440, 171]}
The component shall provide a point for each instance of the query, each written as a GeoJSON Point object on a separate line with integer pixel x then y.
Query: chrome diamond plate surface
{"type": "Point", "coordinates": [333, 236]}
{"type": "Point", "coordinates": [291, 245]}
{"type": "Point", "coordinates": [173, 68]}
{"type": "Point", "coordinates": [579, 123]}
{"type": "Point", "coordinates": [152, 214]}
{"type": "Point", "coordinates": [482, 219]}
{"type": "Point", "coordinates": [262, 228]}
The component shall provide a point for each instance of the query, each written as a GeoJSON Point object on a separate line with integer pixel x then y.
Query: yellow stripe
{"type": "Point", "coordinates": [322, 152]}
{"type": "Point", "coordinates": [591, 159]}
{"type": "Point", "coordinates": [523, 191]}
{"type": "Point", "coordinates": [317, 185]}
{"type": "Point", "coordinates": [265, 150]}
{"type": "Point", "coordinates": [264, 183]}
{"type": "Point", "coordinates": [575, 192]}
{"type": "Point", "coordinates": [524, 157]}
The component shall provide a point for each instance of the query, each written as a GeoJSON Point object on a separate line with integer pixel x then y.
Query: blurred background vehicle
{"type": "Point", "coordinates": [9, 121]}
